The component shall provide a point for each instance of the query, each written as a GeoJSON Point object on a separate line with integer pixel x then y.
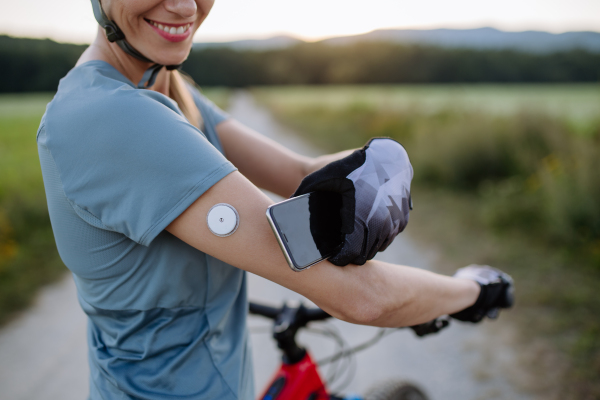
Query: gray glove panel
{"type": "Point", "coordinates": [382, 195]}
{"type": "Point", "coordinates": [374, 183]}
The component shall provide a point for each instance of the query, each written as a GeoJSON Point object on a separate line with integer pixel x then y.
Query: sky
{"type": "Point", "coordinates": [73, 21]}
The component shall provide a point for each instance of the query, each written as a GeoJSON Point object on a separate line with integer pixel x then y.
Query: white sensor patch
{"type": "Point", "coordinates": [222, 219]}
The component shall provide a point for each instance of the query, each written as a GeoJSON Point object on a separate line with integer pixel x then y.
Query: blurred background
{"type": "Point", "coordinates": [497, 103]}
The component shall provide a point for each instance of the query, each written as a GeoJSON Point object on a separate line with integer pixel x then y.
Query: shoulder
{"type": "Point", "coordinates": [96, 106]}
{"type": "Point", "coordinates": [95, 94]}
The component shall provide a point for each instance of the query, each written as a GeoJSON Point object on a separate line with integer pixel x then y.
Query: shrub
{"type": "Point", "coordinates": [530, 170]}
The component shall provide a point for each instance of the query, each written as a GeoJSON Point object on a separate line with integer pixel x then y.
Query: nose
{"type": "Point", "coordinates": [184, 8]}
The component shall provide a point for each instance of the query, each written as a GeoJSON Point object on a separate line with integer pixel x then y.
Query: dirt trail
{"type": "Point", "coordinates": [43, 353]}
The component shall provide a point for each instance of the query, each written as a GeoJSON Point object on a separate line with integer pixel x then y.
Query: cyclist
{"type": "Point", "coordinates": [133, 158]}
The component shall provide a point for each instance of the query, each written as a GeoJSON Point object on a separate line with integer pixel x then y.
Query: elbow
{"type": "Point", "coordinates": [375, 307]}
{"type": "Point", "coordinates": [370, 296]}
{"type": "Point", "coordinates": [368, 314]}
{"type": "Point", "coordinates": [364, 310]}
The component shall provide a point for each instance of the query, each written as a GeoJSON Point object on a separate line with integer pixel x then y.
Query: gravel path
{"type": "Point", "coordinates": [43, 353]}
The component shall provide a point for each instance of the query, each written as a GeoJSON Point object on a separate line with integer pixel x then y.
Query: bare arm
{"type": "Point", "coordinates": [376, 293]}
{"type": "Point", "coordinates": [265, 162]}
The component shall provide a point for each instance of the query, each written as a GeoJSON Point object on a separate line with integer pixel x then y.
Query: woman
{"type": "Point", "coordinates": [129, 179]}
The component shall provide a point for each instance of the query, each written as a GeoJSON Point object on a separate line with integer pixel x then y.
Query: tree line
{"type": "Point", "coordinates": [38, 65]}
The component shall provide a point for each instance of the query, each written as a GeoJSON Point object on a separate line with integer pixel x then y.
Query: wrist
{"type": "Point", "coordinates": [474, 296]}
{"type": "Point", "coordinates": [471, 292]}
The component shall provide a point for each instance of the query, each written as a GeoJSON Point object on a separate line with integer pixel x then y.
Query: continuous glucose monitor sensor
{"type": "Point", "coordinates": [222, 219]}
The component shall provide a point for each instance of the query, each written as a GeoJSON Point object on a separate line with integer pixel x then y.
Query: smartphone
{"type": "Point", "coordinates": [307, 227]}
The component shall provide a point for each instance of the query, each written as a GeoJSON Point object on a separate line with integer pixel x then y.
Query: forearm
{"type": "Point", "coordinates": [314, 164]}
{"type": "Point", "coordinates": [266, 163]}
{"type": "Point", "coordinates": [383, 294]}
{"type": "Point", "coordinates": [408, 296]}
{"type": "Point", "coordinates": [376, 293]}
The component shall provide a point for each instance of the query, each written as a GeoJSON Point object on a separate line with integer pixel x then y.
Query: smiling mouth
{"type": "Point", "coordinates": [173, 29]}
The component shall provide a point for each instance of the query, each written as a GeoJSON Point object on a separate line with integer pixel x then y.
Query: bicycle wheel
{"type": "Point", "coordinates": [395, 390]}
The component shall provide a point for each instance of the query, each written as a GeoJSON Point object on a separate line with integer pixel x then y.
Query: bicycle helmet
{"type": "Point", "coordinates": [114, 34]}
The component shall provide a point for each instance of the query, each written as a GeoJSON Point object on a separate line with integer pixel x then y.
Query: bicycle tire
{"type": "Point", "coordinates": [396, 390]}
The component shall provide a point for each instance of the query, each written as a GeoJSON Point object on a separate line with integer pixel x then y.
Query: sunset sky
{"type": "Point", "coordinates": [72, 20]}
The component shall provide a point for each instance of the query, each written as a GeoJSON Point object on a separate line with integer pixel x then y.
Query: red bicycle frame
{"type": "Point", "coordinates": [297, 381]}
{"type": "Point", "coordinates": [298, 376]}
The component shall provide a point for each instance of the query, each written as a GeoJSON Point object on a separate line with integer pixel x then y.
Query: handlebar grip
{"type": "Point", "coordinates": [308, 314]}
{"type": "Point", "coordinates": [430, 327]}
{"type": "Point", "coordinates": [265, 311]}
{"type": "Point", "coordinates": [316, 314]}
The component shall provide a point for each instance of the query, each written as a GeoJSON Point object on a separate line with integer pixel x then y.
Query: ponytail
{"type": "Point", "coordinates": [179, 91]}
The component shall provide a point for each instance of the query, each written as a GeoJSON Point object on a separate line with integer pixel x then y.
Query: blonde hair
{"type": "Point", "coordinates": [179, 91]}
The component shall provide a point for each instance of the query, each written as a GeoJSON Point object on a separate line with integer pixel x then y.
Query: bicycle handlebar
{"type": "Point", "coordinates": [309, 314]}
{"type": "Point", "coordinates": [264, 310]}
{"type": "Point", "coordinates": [288, 319]}
{"type": "Point", "coordinates": [298, 316]}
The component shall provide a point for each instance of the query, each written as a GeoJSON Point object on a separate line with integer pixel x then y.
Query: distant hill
{"type": "Point", "coordinates": [480, 39]}
{"type": "Point", "coordinates": [273, 43]}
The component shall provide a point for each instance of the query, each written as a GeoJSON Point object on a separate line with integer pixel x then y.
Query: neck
{"type": "Point", "coordinates": [132, 68]}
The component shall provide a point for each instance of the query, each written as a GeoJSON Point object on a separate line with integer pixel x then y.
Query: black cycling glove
{"type": "Point", "coordinates": [374, 185]}
{"type": "Point", "coordinates": [497, 291]}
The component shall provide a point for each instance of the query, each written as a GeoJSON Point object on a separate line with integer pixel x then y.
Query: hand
{"type": "Point", "coordinates": [497, 291]}
{"type": "Point", "coordinates": [374, 184]}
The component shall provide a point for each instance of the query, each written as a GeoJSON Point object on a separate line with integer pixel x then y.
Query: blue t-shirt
{"type": "Point", "coordinates": [119, 165]}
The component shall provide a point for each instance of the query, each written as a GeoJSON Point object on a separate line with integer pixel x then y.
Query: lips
{"type": "Point", "coordinates": [171, 32]}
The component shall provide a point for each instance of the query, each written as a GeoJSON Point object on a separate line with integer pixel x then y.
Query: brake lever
{"type": "Point", "coordinates": [430, 327]}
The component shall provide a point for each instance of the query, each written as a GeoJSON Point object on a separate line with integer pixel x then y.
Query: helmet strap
{"type": "Point", "coordinates": [149, 76]}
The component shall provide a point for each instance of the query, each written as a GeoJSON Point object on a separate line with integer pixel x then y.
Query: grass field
{"type": "Point", "coordinates": [504, 175]}
{"type": "Point", "coordinates": [580, 104]}
{"type": "Point", "coordinates": [28, 256]}
{"type": "Point", "coordinates": [578, 100]}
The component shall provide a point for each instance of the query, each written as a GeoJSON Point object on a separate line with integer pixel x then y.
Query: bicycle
{"type": "Point", "coordinates": [298, 376]}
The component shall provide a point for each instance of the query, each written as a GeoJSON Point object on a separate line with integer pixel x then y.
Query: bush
{"type": "Point", "coordinates": [530, 170]}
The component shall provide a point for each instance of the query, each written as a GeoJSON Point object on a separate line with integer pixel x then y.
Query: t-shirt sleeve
{"type": "Point", "coordinates": [132, 164]}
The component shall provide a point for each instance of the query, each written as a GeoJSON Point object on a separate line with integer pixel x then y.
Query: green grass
{"type": "Point", "coordinates": [504, 176]}
{"type": "Point", "coordinates": [578, 103]}
{"type": "Point", "coordinates": [28, 255]}
{"type": "Point", "coordinates": [24, 105]}
{"type": "Point", "coordinates": [218, 95]}
{"type": "Point", "coordinates": [580, 100]}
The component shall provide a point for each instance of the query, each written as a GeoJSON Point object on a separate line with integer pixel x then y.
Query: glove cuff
{"type": "Point", "coordinates": [474, 313]}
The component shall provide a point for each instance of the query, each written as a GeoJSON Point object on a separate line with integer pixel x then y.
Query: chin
{"type": "Point", "coordinates": [169, 54]}
{"type": "Point", "coordinates": [171, 58]}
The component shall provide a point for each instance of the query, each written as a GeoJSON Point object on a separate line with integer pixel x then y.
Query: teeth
{"type": "Point", "coordinates": [172, 30]}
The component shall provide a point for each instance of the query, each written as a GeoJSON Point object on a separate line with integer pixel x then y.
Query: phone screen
{"type": "Point", "coordinates": [308, 226]}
